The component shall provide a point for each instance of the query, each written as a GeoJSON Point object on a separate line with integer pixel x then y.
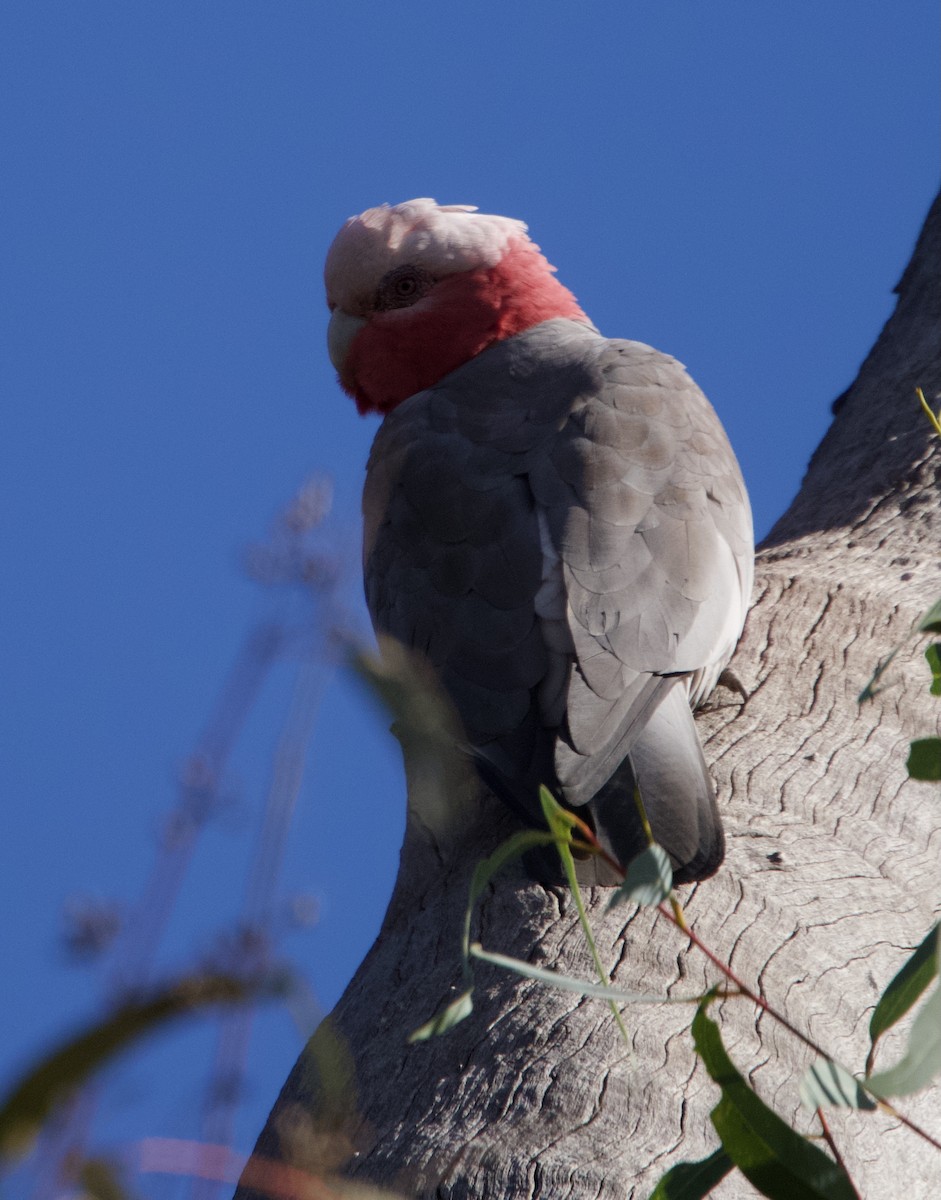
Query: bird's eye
{"type": "Point", "coordinates": [402, 287]}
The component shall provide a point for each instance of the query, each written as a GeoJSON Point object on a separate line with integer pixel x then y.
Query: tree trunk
{"type": "Point", "coordinates": [831, 878]}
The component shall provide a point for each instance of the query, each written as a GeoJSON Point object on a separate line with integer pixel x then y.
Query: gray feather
{"type": "Point", "coordinates": [560, 525]}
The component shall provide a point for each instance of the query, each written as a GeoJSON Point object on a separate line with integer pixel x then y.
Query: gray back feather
{"type": "Point", "coordinates": [561, 526]}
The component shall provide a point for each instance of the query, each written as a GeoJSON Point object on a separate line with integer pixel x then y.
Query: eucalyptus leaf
{"type": "Point", "coordinates": [924, 759]}
{"type": "Point", "coordinates": [514, 847]}
{"type": "Point", "coordinates": [562, 822]}
{"type": "Point", "coordinates": [57, 1076]}
{"type": "Point", "coordinates": [598, 991]}
{"type": "Point", "coordinates": [100, 1181]}
{"type": "Point", "coordinates": [446, 1019]}
{"type": "Point", "coordinates": [915, 974]}
{"type": "Point", "coordinates": [693, 1181]}
{"type": "Point", "coordinates": [826, 1084]}
{"type": "Point", "coordinates": [648, 880]}
{"type": "Point", "coordinates": [931, 621]}
{"type": "Point", "coordinates": [772, 1156]}
{"type": "Point", "coordinates": [426, 725]}
{"type": "Point", "coordinates": [921, 1061]}
{"type": "Point", "coordinates": [933, 655]}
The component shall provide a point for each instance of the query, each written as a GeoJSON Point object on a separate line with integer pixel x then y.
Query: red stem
{"type": "Point", "coordinates": [677, 918]}
{"type": "Point", "coordinates": [763, 1004]}
{"type": "Point", "coordinates": [834, 1149]}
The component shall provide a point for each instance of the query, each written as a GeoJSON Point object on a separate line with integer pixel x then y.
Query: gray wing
{"type": "Point", "coordinates": [647, 510]}
{"type": "Point", "coordinates": [561, 527]}
{"type": "Point", "coordinates": [452, 555]}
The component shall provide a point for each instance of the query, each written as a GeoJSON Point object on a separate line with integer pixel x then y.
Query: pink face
{"type": "Point", "coordinates": [418, 289]}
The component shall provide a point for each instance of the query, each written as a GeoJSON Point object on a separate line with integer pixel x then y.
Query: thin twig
{"type": "Point", "coordinates": [676, 916]}
{"type": "Point", "coordinates": [834, 1149]}
{"type": "Point", "coordinates": [772, 1012]}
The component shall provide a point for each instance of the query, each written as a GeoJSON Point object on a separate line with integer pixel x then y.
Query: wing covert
{"type": "Point", "coordinates": [655, 552]}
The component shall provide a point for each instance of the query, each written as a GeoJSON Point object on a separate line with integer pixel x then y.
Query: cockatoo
{"type": "Point", "coordinates": [554, 519]}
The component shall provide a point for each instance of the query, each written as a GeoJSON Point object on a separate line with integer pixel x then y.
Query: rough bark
{"type": "Point", "coordinates": [832, 876]}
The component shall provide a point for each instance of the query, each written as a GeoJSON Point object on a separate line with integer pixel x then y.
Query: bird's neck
{"type": "Point", "coordinates": [407, 350]}
{"type": "Point", "coordinates": [525, 291]}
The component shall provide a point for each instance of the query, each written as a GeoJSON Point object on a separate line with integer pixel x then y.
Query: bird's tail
{"type": "Point", "coordinates": [666, 763]}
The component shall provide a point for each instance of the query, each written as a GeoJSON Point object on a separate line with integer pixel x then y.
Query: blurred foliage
{"type": "Point", "coordinates": [53, 1080]}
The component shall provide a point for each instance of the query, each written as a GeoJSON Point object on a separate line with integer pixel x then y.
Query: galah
{"type": "Point", "coordinates": [555, 519]}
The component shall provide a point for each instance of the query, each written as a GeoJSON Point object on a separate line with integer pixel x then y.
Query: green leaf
{"type": "Point", "coordinates": [692, 1181]}
{"type": "Point", "coordinates": [826, 1084]}
{"type": "Point", "coordinates": [446, 1019]}
{"type": "Point", "coordinates": [772, 1156]}
{"type": "Point", "coordinates": [931, 621]}
{"type": "Point", "coordinates": [514, 847]}
{"type": "Point", "coordinates": [598, 991]}
{"type": "Point", "coordinates": [928, 411]}
{"type": "Point", "coordinates": [327, 1070]}
{"type": "Point", "coordinates": [933, 655]}
{"type": "Point", "coordinates": [561, 822]}
{"type": "Point", "coordinates": [648, 881]}
{"type": "Point", "coordinates": [915, 974]}
{"type": "Point", "coordinates": [924, 759]}
{"type": "Point", "coordinates": [56, 1077]}
{"type": "Point", "coordinates": [922, 1059]}
{"type": "Point", "coordinates": [463, 1006]}
{"type": "Point", "coordinates": [101, 1181]}
{"type": "Point", "coordinates": [424, 721]}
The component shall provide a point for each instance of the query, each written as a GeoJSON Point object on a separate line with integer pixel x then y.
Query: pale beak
{"type": "Point", "coordinates": [340, 333]}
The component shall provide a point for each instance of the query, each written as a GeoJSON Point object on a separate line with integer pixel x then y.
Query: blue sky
{"type": "Point", "coordinates": [737, 184]}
